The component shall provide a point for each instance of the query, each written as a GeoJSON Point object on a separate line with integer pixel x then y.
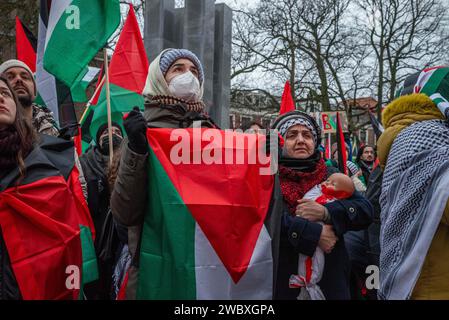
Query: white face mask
{"type": "Point", "coordinates": [186, 86]}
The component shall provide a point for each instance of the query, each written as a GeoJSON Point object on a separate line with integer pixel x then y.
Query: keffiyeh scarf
{"type": "Point", "coordinates": [414, 194]}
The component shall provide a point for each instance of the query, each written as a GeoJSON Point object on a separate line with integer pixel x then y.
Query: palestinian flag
{"type": "Point", "coordinates": [287, 103]}
{"type": "Point", "coordinates": [26, 45]}
{"type": "Point", "coordinates": [127, 76]}
{"type": "Point", "coordinates": [377, 126]}
{"type": "Point", "coordinates": [79, 88]}
{"type": "Point", "coordinates": [46, 224]}
{"type": "Point", "coordinates": [52, 92]}
{"type": "Point", "coordinates": [45, 82]}
{"type": "Point", "coordinates": [328, 153]}
{"type": "Point", "coordinates": [341, 147]}
{"type": "Point", "coordinates": [207, 232]}
{"type": "Point", "coordinates": [86, 119]}
{"type": "Point", "coordinates": [434, 82]}
{"type": "Point", "coordinates": [76, 31]}
{"type": "Point", "coordinates": [96, 96]}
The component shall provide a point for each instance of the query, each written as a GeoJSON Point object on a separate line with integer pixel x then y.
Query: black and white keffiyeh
{"type": "Point", "coordinates": [289, 119]}
{"type": "Point", "coordinates": [414, 194]}
{"type": "Point", "coordinates": [290, 123]}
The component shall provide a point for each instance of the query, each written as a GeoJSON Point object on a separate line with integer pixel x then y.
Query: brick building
{"type": "Point", "coordinates": [247, 107]}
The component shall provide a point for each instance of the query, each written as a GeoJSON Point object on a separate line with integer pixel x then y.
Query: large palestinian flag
{"type": "Point", "coordinates": [206, 233]}
{"type": "Point", "coordinates": [76, 31]}
{"type": "Point", "coordinates": [53, 93]}
{"type": "Point", "coordinates": [127, 76]}
{"type": "Point", "coordinates": [46, 224]}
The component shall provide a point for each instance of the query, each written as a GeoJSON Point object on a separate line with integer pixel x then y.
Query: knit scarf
{"type": "Point", "coordinates": [297, 181]}
{"type": "Point", "coordinates": [191, 106]}
{"type": "Point", "coordinates": [9, 148]}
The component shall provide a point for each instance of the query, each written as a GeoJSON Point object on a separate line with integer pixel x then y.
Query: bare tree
{"type": "Point", "coordinates": [405, 36]}
{"type": "Point", "coordinates": [139, 9]}
{"type": "Point", "coordinates": [28, 13]}
{"type": "Point", "coordinates": [264, 44]}
{"type": "Point", "coordinates": [304, 41]}
{"type": "Point", "coordinates": [321, 36]}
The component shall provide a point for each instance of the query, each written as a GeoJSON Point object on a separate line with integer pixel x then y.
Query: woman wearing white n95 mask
{"type": "Point", "coordinates": [175, 77]}
{"type": "Point", "coordinates": [173, 99]}
{"type": "Point", "coordinates": [186, 86]}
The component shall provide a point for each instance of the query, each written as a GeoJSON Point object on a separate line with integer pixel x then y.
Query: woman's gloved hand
{"type": "Point", "coordinates": [136, 128]}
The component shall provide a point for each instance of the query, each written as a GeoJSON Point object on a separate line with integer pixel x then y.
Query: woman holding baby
{"type": "Point", "coordinates": [319, 207]}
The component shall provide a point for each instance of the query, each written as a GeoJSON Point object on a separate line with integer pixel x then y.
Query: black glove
{"type": "Point", "coordinates": [68, 131]}
{"type": "Point", "coordinates": [136, 129]}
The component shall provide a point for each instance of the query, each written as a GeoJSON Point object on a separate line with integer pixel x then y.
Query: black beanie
{"type": "Point", "coordinates": [104, 127]}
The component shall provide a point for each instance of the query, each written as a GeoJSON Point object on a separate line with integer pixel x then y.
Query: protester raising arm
{"type": "Point", "coordinates": [128, 204]}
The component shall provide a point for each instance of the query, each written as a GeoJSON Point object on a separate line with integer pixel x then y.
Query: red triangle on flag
{"type": "Point", "coordinates": [228, 201]}
{"type": "Point", "coordinates": [25, 45]}
{"type": "Point", "coordinates": [129, 63]}
{"type": "Point", "coordinates": [77, 141]}
{"type": "Point", "coordinates": [128, 67]}
{"type": "Point", "coordinates": [287, 103]}
{"type": "Point", "coordinates": [45, 239]}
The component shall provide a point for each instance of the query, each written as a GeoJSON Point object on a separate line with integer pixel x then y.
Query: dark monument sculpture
{"type": "Point", "coordinates": [203, 27]}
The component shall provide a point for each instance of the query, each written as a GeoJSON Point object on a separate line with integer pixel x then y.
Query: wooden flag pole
{"type": "Point", "coordinates": [88, 104]}
{"type": "Point", "coordinates": [100, 85]}
{"type": "Point", "coordinates": [108, 104]}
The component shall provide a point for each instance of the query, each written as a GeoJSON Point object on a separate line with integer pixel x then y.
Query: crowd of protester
{"type": "Point", "coordinates": [396, 216]}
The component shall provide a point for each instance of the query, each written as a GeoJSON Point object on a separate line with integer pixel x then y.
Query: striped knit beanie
{"type": "Point", "coordinates": [292, 118]}
{"type": "Point", "coordinates": [171, 55]}
{"type": "Point", "coordinates": [433, 82]}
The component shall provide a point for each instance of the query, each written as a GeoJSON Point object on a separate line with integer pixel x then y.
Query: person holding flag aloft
{"type": "Point", "coordinates": [173, 92]}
